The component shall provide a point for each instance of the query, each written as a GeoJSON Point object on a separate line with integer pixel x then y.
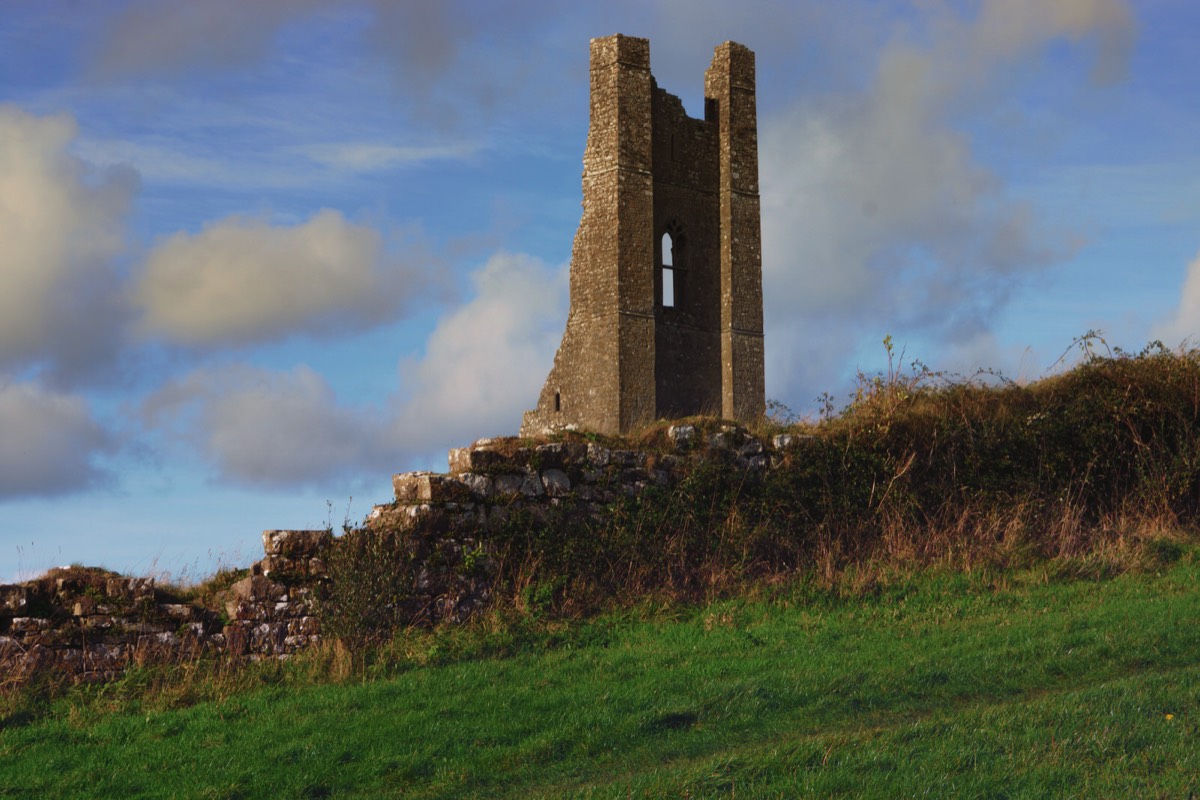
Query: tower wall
{"type": "Point", "coordinates": [655, 333]}
{"type": "Point", "coordinates": [729, 89]}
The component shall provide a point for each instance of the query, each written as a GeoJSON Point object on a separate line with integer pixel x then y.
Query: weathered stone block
{"type": "Point", "coordinates": [682, 437]}
{"type": "Point", "coordinates": [239, 609]}
{"type": "Point", "coordinates": [267, 637]}
{"type": "Point", "coordinates": [258, 588]}
{"type": "Point", "coordinates": [427, 487]}
{"type": "Point", "coordinates": [296, 544]}
{"type": "Point", "coordinates": [481, 486]}
{"type": "Point", "coordinates": [598, 455]}
{"type": "Point", "coordinates": [531, 486]}
{"type": "Point", "coordinates": [509, 484]}
{"type": "Point", "coordinates": [551, 456]}
{"type": "Point", "coordinates": [475, 459]}
{"type": "Point", "coordinates": [556, 483]}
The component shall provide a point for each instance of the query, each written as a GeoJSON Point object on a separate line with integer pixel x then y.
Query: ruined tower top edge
{"type": "Point", "coordinates": [630, 51]}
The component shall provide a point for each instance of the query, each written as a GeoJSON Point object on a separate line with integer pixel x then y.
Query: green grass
{"type": "Point", "coordinates": [1008, 684]}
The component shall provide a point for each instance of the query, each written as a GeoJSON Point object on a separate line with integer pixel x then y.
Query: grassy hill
{"type": "Point", "coordinates": [951, 587]}
{"type": "Point", "coordinates": [1013, 684]}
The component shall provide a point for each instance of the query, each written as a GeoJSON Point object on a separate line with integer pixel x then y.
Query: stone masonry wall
{"type": "Point", "coordinates": [85, 624]}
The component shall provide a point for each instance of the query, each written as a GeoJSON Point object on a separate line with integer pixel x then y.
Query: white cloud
{"type": "Point", "coordinates": [50, 442]}
{"type": "Point", "coordinates": [61, 225]}
{"type": "Point", "coordinates": [244, 280]}
{"type": "Point", "coordinates": [1183, 326]}
{"type": "Point", "coordinates": [267, 428]}
{"type": "Point", "coordinates": [879, 217]}
{"type": "Point", "coordinates": [483, 366]}
{"type": "Point", "coordinates": [485, 362]}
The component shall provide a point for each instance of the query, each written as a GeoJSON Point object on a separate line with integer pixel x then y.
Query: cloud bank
{"type": "Point", "coordinates": [62, 224]}
{"type": "Point", "coordinates": [50, 442]}
{"type": "Point", "coordinates": [244, 280]}
{"type": "Point", "coordinates": [483, 367]}
{"type": "Point", "coordinates": [485, 362]}
{"type": "Point", "coordinates": [268, 428]}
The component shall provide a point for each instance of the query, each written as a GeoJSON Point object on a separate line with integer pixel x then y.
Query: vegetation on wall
{"type": "Point", "coordinates": [1096, 469]}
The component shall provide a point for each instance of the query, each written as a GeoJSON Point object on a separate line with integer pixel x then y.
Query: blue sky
{"type": "Point", "coordinates": [256, 256]}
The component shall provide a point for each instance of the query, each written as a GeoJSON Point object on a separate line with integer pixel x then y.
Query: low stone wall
{"type": "Point", "coordinates": [450, 516]}
{"type": "Point", "coordinates": [491, 478]}
{"type": "Point", "coordinates": [87, 624]}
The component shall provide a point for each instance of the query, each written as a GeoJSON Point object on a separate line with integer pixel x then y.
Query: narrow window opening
{"type": "Point", "coordinates": [668, 272]}
{"type": "Point", "coordinates": [557, 401]}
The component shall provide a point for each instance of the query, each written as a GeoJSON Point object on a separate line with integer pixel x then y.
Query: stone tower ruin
{"type": "Point", "coordinates": [666, 270]}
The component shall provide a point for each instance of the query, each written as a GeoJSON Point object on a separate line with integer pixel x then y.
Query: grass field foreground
{"type": "Point", "coordinates": [1015, 684]}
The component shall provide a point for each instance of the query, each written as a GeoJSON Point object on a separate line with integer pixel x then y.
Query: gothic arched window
{"type": "Point", "coordinates": [672, 267]}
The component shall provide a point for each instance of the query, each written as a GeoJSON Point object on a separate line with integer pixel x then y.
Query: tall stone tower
{"type": "Point", "coordinates": [666, 271]}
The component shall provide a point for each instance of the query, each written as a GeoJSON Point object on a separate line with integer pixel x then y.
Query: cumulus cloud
{"type": "Point", "coordinates": [878, 212]}
{"type": "Point", "coordinates": [485, 362]}
{"type": "Point", "coordinates": [1183, 326]}
{"type": "Point", "coordinates": [243, 280]}
{"type": "Point", "coordinates": [482, 367]}
{"type": "Point", "coordinates": [267, 428]}
{"type": "Point", "coordinates": [50, 442]}
{"type": "Point", "coordinates": [61, 225]}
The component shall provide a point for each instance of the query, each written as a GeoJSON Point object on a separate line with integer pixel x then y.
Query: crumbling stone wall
{"type": "Point", "coordinates": [662, 327]}
{"type": "Point", "coordinates": [86, 624]}
{"type": "Point", "coordinates": [89, 626]}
